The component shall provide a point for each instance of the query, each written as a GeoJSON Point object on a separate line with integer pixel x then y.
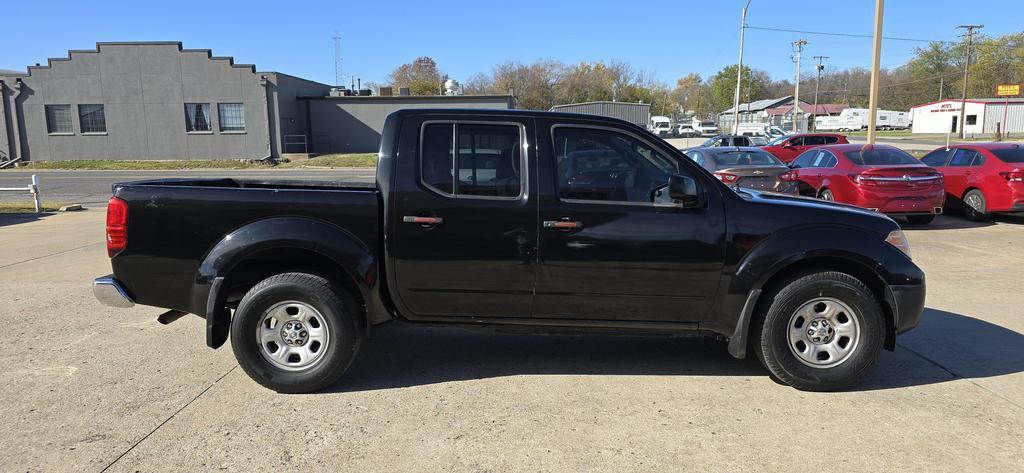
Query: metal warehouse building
{"type": "Point", "coordinates": [149, 100]}
{"type": "Point", "coordinates": [981, 116]}
{"type": "Point", "coordinates": [636, 113]}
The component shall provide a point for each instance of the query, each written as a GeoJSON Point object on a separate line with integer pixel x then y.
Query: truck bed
{"type": "Point", "coordinates": [174, 223]}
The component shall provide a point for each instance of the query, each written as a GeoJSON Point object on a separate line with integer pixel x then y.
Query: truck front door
{"type": "Point", "coordinates": [611, 246]}
{"type": "Point", "coordinates": [463, 235]}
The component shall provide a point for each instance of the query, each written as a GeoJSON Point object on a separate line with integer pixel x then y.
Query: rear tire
{"type": "Point", "coordinates": [827, 195]}
{"type": "Point", "coordinates": [920, 219]}
{"type": "Point", "coordinates": [295, 333]}
{"type": "Point", "coordinates": [975, 206]}
{"type": "Point", "coordinates": [820, 332]}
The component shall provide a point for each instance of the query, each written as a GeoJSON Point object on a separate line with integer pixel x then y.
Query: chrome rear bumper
{"type": "Point", "coordinates": [109, 292]}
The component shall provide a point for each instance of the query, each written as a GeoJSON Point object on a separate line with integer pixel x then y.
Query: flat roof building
{"type": "Point", "coordinates": [981, 116]}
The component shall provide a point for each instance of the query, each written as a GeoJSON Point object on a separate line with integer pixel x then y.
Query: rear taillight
{"type": "Point", "coordinates": [865, 179]}
{"type": "Point", "coordinates": [788, 177]}
{"type": "Point", "coordinates": [1013, 176]}
{"type": "Point", "coordinates": [117, 226]}
{"type": "Point", "coordinates": [726, 177]}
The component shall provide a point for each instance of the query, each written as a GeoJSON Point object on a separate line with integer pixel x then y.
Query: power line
{"type": "Point", "coordinates": [849, 35]}
{"type": "Point", "coordinates": [947, 74]}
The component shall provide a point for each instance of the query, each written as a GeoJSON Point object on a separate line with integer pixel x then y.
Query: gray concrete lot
{"type": "Point", "coordinates": [93, 187]}
{"type": "Point", "coordinates": [88, 388]}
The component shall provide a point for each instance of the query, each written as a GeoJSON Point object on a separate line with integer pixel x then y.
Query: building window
{"type": "Point", "coordinates": [232, 117]}
{"type": "Point", "coordinates": [58, 119]}
{"type": "Point", "coordinates": [197, 117]}
{"type": "Point", "coordinates": [91, 119]}
{"type": "Point", "coordinates": [971, 120]}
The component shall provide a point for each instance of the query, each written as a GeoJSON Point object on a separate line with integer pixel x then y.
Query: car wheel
{"type": "Point", "coordinates": [920, 219]}
{"type": "Point", "coordinates": [820, 332]}
{"type": "Point", "coordinates": [975, 207]}
{"type": "Point", "coordinates": [827, 195]}
{"type": "Point", "coordinates": [295, 333]}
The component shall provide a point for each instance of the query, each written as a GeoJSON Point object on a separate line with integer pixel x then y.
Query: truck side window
{"type": "Point", "coordinates": [597, 164]}
{"type": "Point", "coordinates": [489, 159]}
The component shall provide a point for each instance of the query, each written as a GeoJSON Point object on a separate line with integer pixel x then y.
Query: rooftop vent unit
{"type": "Point", "coordinates": [403, 91]}
{"type": "Point", "coordinates": [385, 91]}
{"type": "Point", "coordinates": [365, 92]}
{"type": "Point", "coordinates": [338, 92]}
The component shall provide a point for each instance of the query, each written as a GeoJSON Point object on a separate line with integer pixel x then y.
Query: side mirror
{"type": "Point", "coordinates": [683, 189]}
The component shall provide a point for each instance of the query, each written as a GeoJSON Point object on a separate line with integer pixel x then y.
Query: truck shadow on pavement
{"type": "Point", "coordinates": [946, 346]}
{"type": "Point", "coordinates": [16, 218]}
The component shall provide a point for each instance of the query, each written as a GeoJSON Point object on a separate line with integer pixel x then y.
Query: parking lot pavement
{"type": "Point", "coordinates": [93, 187]}
{"type": "Point", "coordinates": [89, 387]}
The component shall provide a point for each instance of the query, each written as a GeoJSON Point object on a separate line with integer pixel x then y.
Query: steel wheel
{"type": "Point", "coordinates": [293, 336]}
{"type": "Point", "coordinates": [823, 332]}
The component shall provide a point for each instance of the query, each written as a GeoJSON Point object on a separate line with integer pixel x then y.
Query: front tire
{"type": "Point", "coordinates": [295, 333]}
{"type": "Point", "coordinates": [975, 206]}
{"type": "Point", "coordinates": [820, 332]}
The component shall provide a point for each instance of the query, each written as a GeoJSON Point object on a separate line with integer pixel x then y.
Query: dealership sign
{"type": "Point", "coordinates": [1007, 90]}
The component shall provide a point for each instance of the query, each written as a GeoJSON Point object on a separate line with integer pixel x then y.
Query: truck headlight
{"type": "Point", "coordinates": [899, 239]}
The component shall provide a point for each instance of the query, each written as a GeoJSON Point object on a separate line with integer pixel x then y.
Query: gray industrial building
{"type": "Point", "coordinates": [159, 101]}
{"type": "Point", "coordinates": [352, 124]}
{"type": "Point", "coordinates": [636, 113]}
{"type": "Point", "coordinates": [149, 100]}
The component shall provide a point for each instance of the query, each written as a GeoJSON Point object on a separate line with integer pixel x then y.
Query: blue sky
{"type": "Point", "coordinates": [668, 39]}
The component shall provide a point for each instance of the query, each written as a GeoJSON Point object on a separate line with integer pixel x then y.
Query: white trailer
{"type": "Point", "coordinates": [854, 119]}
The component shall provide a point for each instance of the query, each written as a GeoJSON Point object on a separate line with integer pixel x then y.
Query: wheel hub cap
{"type": "Point", "coordinates": [294, 334]}
{"type": "Point", "coordinates": [820, 331]}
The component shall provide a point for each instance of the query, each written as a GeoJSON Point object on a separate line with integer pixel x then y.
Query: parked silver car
{"type": "Point", "coordinates": [746, 167]}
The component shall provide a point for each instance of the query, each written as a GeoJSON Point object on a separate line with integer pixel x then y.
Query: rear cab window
{"type": "Point", "coordinates": [472, 160]}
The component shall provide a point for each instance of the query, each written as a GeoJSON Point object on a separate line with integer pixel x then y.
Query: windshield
{"type": "Point", "coordinates": [746, 158]}
{"type": "Point", "coordinates": [881, 157]}
{"type": "Point", "coordinates": [1010, 155]}
{"type": "Point", "coordinates": [778, 140]}
{"type": "Point", "coordinates": [707, 124]}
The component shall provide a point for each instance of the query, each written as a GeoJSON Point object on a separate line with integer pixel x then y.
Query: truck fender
{"type": "Point", "coordinates": [777, 253]}
{"type": "Point", "coordinates": [323, 238]}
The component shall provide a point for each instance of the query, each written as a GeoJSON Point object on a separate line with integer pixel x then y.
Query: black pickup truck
{"type": "Point", "coordinates": [513, 220]}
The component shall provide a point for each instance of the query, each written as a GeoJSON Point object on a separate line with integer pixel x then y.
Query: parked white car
{"type": "Point", "coordinates": [761, 129]}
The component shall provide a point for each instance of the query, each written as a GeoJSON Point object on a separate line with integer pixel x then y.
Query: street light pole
{"type": "Point", "coordinates": [739, 74]}
{"type": "Point", "coordinates": [876, 60]}
{"type": "Point", "coordinates": [819, 67]}
{"type": "Point", "coordinates": [967, 65]}
{"type": "Point", "coordinates": [798, 47]}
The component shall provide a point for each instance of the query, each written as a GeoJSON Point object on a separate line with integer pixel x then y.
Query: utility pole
{"type": "Point", "coordinates": [967, 65]}
{"type": "Point", "coordinates": [876, 62]}
{"type": "Point", "coordinates": [337, 59]}
{"type": "Point", "coordinates": [798, 48]}
{"type": "Point", "coordinates": [739, 74]}
{"type": "Point", "coordinates": [941, 83]}
{"type": "Point", "coordinates": [820, 67]}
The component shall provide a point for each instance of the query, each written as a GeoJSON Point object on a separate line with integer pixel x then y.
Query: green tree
{"type": "Point", "coordinates": [723, 86]}
{"type": "Point", "coordinates": [421, 77]}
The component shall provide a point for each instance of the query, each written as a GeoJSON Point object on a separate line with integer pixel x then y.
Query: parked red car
{"type": "Point", "coordinates": [982, 178]}
{"type": "Point", "coordinates": [879, 177]}
{"type": "Point", "coordinates": [788, 147]}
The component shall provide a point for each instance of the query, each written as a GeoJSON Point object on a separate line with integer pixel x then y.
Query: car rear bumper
{"type": "Point", "coordinates": [110, 292]}
{"type": "Point", "coordinates": [921, 204]}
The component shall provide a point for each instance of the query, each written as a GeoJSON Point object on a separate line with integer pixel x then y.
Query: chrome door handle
{"type": "Point", "coordinates": [563, 225]}
{"type": "Point", "coordinates": [423, 221]}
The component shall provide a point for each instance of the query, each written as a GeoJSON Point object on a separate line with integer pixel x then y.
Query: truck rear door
{"type": "Point", "coordinates": [610, 248]}
{"type": "Point", "coordinates": [463, 230]}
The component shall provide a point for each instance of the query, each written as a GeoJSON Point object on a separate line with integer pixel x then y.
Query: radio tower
{"type": "Point", "coordinates": [337, 59]}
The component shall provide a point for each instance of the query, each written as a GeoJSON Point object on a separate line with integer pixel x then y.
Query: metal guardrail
{"type": "Point", "coordinates": [32, 188]}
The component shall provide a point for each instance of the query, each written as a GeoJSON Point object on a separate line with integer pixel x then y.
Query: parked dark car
{"type": "Point", "coordinates": [788, 147]}
{"type": "Point", "coordinates": [982, 178]}
{"type": "Point", "coordinates": [513, 220]}
{"type": "Point", "coordinates": [879, 177]}
{"type": "Point", "coordinates": [750, 168]}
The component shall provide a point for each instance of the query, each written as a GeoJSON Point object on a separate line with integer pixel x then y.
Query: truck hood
{"type": "Point", "coordinates": [820, 210]}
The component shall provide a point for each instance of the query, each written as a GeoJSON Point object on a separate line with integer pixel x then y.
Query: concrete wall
{"type": "Point", "coordinates": [354, 124]}
{"type": "Point", "coordinates": [143, 87]}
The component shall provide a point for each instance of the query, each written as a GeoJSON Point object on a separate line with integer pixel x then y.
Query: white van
{"type": "Point", "coordinates": [661, 126]}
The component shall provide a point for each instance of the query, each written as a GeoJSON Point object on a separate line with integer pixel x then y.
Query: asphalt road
{"type": "Point", "coordinates": [93, 187]}
{"type": "Point", "coordinates": [88, 388]}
